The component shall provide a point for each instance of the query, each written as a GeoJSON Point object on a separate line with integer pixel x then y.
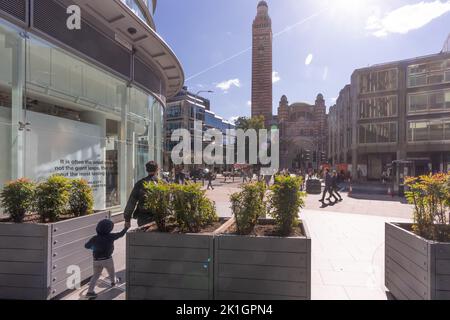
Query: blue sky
{"type": "Point", "coordinates": [317, 46]}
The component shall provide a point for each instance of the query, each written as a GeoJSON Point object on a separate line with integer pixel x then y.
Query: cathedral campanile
{"type": "Point", "coordinates": [262, 64]}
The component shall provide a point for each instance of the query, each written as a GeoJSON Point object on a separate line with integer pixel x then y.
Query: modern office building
{"type": "Point", "coordinates": [394, 117]}
{"type": "Point", "coordinates": [83, 102]}
{"type": "Point", "coordinates": [182, 111]}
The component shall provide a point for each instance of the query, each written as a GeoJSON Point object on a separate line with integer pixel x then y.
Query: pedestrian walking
{"type": "Point", "coordinates": [335, 188]}
{"type": "Point", "coordinates": [268, 178]}
{"type": "Point", "coordinates": [244, 176]}
{"type": "Point", "coordinates": [328, 183]}
{"type": "Point", "coordinates": [102, 246]}
{"type": "Point", "coordinates": [210, 177]}
{"type": "Point", "coordinates": [135, 208]}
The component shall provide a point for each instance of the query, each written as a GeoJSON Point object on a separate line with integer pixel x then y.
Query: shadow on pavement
{"type": "Point", "coordinates": [361, 196]}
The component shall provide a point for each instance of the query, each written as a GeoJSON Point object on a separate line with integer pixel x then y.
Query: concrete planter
{"type": "Point", "coordinates": [163, 266]}
{"type": "Point", "coordinates": [416, 268]}
{"type": "Point", "coordinates": [262, 268]}
{"type": "Point", "coordinates": [34, 258]}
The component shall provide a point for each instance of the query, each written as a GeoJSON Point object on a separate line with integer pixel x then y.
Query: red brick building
{"type": "Point", "coordinates": [262, 64]}
{"type": "Point", "coordinates": [303, 127]}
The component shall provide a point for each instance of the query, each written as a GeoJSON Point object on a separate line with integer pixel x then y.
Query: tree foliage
{"type": "Point", "coordinates": [81, 198]}
{"type": "Point", "coordinates": [285, 201]}
{"type": "Point", "coordinates": [158, 202]}
{"type": "Point", "coordinates": [248, 206]}
{"type": "Point", "coordinates": [191, 208]}
{"type": "Point", "coordinates": [430, 195]}
{"type": "Point", "coordinates": [16, 198]}
{"type": "Point", "coordinates": [52, 198]}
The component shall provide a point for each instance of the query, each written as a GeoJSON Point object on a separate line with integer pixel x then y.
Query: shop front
{"type": "Point", "coordinates": [63, 113]}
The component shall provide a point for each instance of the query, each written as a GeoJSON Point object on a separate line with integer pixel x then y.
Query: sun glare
{"type": "Point", "coordinates": [348, 6]}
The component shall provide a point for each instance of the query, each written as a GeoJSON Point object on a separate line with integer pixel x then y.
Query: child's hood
{"type": "Point", "coordinates": [105, 227]}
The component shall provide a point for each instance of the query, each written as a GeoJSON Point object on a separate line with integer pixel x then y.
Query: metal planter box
{"type": "Point", "coordinates": [34, 258]}
{"type": "Point", "coordinates": [262, 268]}
{"type": "Point", "coordinates": [416, 268]}
{"type": "Point", "coordinates": [163, 266]}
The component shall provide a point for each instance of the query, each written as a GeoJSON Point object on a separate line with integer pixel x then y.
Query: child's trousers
{"type": "Point", "coordinates": [98, 269]}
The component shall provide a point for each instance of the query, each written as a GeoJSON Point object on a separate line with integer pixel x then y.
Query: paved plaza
{"type": "Point", "coordinates": [347, 245]}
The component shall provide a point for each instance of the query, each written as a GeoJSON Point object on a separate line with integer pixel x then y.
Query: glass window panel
{"type": "Point", "coordinates": [11, 44]}
{"type": "Point", "coordinates": [393, 132]}
{"type": "Point", "coordinates": [428, 73]}
{"type": "Point", "coordinates": [447, 100]}
{"type": "Point", "coordinates": [362, 134]}
{"type": "Point", "coordinates": [436, 131]}
{"type": "Point", "coordinates": [447, 130]}
{"type": "Point", "coordinates": [371, 134]}
{"type": "Point", "coordinates": [435, 78]}
{"type": "Point", "coordinates": [39, 63]}
{"type": "Point", "coordinates": [437, 100]}
{"type": "Point", "coordinates": [74, 78]}
{"type": "Point", "coordinates": [420, 131]}
{"type": "Point", "coordinates": [418, 103]}
{"type": "Point", "coordinates": [383, 133]}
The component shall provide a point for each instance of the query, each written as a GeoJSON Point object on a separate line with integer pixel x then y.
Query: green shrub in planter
{"type": "Point", "coordinates": [52, 197]}
{"type": "Point", "coordinates": [81, 198]}
{"type": "Point", "coordinates": [17, 198]}
{"type": "Point", "coordinates": [158, 202]}
{"type": "Point", "coordinates": [430, 196]}
{"type": "Point", "coordinates": [285, 201]}
{"type": "Point", "coordinates": [191, 208]}
{"type": "Point", "coordinates": [248, 206]}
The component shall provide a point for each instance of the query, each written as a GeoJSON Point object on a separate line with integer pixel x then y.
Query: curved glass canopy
{"type": "Point", "coordinates": [137, 8]}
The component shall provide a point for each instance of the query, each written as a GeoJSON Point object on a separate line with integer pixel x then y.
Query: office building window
{"type": "Point", "coordinates": [429, 73]}
{"type": "Point", "coordinates": [376, 81]}
{"type": "Point", "coordinates": [173, 112]}
{"type": "Point", "coordinates": [378, 133]}
{"type": "Point", "coordinates": [429, 101]}
{"type": "Point", "coordinates": [427, 130]}
{"type": "Point", "coordinates": [382, 107]}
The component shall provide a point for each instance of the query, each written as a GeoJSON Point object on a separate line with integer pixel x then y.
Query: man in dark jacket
{"type": "Point", "coordinates": [102, 246]}
{"type": "Point", "coordinates": [334, 190]}
{"type": "Point", "coordinates": [328, 183]}
{"type": "Point", "coordinates": [210, 177]}
{"type": "Point", "coordinates": [136, 204]}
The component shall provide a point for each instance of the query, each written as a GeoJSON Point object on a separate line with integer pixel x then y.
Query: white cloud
{"type": "Point", "coordinates": [226, 85]}
{"type": "Point", "coordinates": [275, 77]}
{"type": "Point", "coordinates": [249, 103]}
{"type": "Point", "coordinates": [407, 18]}
{"type": "Point", "coordinates": [309, 59]}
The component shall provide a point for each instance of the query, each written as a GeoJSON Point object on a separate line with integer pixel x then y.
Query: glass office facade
{"type": "Point", "coordinates": [62, 114]}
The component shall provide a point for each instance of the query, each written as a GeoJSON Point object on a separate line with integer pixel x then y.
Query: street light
{"type": "Point", "coordinates": [197, 96]}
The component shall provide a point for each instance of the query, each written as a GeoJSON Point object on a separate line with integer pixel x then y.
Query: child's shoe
{"type": "Point", "coordinates": [117, 280]}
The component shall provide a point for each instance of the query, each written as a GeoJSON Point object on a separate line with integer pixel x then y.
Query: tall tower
{"type": "Point", "coordinates": [262, 64]}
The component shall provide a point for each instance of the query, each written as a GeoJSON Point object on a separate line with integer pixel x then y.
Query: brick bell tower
{"type": "Point", "coordinates": [262, 64]}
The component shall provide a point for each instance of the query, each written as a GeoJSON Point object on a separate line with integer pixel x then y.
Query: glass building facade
{"type": "Point", "coordinates": [62, 113]}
